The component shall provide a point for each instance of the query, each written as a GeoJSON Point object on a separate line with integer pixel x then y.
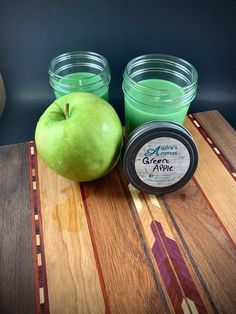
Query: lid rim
{"type": "Point", "coordinates": [145, 133]}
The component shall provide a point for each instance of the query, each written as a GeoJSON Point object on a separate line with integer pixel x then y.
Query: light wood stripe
{"type": "Point", "coordinates": [41, 295]}
{"type": "Point", "coordinates": [192, 306]}
{"type": "Point", "coordinates": [196, 123]}
{"type": "Point", "coordinates": [39, 259]}
{"type": "Point", "coordinates": [189, 307]}
{"type": "Point", "coordinates": [71, 268]}
{"type": "Point", "coordinates": [154, 200]}
{"type": "Point", "coordinates": [217, 150]}
{"type": "Point", "coordinates": [34, 185]}
{"type": "Point", "coordinates": [37, 239]}
{"type": "Point", "coordinates": [209, 140]}
{"type": "Point", "coordinates": [146, 221]}
{"type": "Point", "coordinates": [135, 196]}
{"type": "Point", "coordinates": [159, 215]}
{"type": "Point", "coordinates": [33, 172]}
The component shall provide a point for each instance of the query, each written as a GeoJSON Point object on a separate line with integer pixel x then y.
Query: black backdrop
{"type": "Point", "coordinates": [33, 32]}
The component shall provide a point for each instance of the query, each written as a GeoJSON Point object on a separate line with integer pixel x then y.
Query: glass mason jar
{"type": "Point", "coordinates": [80, 71]}
{"type": "Point", "coordinates": [157, 87]}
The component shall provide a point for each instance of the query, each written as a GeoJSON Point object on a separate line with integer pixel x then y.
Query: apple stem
{"type": "Point", "coordinates": [67, 110]}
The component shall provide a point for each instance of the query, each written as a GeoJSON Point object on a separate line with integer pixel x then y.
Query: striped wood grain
{"type": "Point", "coordinates": [130, 278]}
{"type": "Point", "coordinates": [206, 245]}
{"type": "Point", "coordinates": [180, 286]}
{"type": "Point", "coordinates": [215, 181]}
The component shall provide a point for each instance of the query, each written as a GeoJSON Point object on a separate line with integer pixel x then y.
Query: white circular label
{"type": "Point", "coordinates": [162, 162]}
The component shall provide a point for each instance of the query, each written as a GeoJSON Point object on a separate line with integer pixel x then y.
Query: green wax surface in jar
{"type": "Point", "coordinates": [141, 108]}
{"type": "Point", "coordinates": [82, 82]}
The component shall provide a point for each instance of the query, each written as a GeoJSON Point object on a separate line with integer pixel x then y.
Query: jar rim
{"type": "Point", "coordinates": [74, 54]}
{"type": "Point", "coordinates": [164, 58]}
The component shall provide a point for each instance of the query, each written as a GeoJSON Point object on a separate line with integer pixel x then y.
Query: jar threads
{"type": "Point", "coordinates": [80, 71]}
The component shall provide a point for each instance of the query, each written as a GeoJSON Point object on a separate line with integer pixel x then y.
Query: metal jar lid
{"type": "Point", "coordinates": [159, 157]}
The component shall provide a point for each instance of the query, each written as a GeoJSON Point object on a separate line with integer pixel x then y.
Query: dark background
{"type": "Point", "coordinates": [33, 32]}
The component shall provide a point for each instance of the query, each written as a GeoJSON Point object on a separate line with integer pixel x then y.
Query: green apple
{"type": "Point", "coordinates": [79, 136]}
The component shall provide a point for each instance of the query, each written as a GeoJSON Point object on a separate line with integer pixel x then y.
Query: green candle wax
{"type": "Point", "coordinates": [142, 106]}
{"type": "Point", "coordinates": [82, 82]}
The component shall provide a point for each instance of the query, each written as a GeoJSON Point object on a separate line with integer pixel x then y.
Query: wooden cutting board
{"type": "Point", "coordinates": [104, 247]}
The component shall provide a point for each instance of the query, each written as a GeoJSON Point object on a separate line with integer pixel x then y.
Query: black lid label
{"type": "Point", "coordinates": [162, 162]}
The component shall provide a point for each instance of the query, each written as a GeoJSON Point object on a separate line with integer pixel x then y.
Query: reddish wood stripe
{"type": "Point", "coordinates": [211, 143]}
{"type": "Point", "coordinates": [40, 277]}
{"type": "Point", "coordinates": [180, 268]}
{"type": "Point", "coordinates": [167, 272]}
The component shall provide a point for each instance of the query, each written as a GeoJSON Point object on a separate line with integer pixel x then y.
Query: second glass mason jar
{"type": "Point", "coordinates": [158, 87]}
{"type": "Point", "coordinates": [80, 71]}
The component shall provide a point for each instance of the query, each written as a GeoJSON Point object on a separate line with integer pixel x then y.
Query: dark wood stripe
{"type": "Point", "coordinates": [41, 274]}
{"type": "Point", "coordinates": [213, 145]}
{"type": "Point", "coordinates": [95, 251]}
{"type": "Point", "coordinates": [144, 245]}
{"type": "Point", "coordinates": [200, 278]}
{"type": "Point", "coordinates": [17, 293]}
